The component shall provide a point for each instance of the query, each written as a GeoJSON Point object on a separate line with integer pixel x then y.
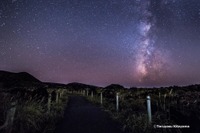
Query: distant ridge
{"type": "Point", "coordinates": [114, 86]}
{"type": "Point", "coordinates": [10, 80]}
{"type": "Point", "coordinates": [22, 79]}
{"type": "Point", "coordinates": [77, 86]}
{"type": "Point", "coordinates": [21, 76]}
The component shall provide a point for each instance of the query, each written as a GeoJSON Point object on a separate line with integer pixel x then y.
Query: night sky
{"type": "Point", "coordinates": [101, 42]}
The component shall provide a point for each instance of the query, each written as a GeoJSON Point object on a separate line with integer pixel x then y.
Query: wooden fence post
{"type": "Point", "coordinates": [164, 106]}
{"type": "Point", "coordinates": [9, 118]}
{"type": "Point", "coordinates": [149, 109]}
{"type": "Point", "coordinates": [117, 101]}
{"type": "Point", "coordinates": [49, 101]}
{"type": "Point", "coordinates": [57, 96]}
{"type": "Point", "coordinates": [101, 98]}
{"type": "Point", "coordinates": [92, 94]}
{"type": "Point", "coordinates": [87, 92]}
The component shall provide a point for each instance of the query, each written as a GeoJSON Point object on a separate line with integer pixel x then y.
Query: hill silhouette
{"type": "Point", "coordinates": [22, 79]}
{"type": "Point", "coordinates": [12, 80]}
{"type": "Point", "coordinates": [22, 76]}
{"type": "Point", "coordinates": [77, 86]}
{"type": "Point", "coordinates": [115, 87]}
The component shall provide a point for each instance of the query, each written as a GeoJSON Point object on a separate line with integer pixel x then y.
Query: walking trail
{"type": "Point", "coordinates": [81, 116]}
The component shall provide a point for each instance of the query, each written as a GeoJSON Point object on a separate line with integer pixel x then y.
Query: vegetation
{"type": "Point", "coordinates": [170, 106]}
{"type": "Point", "coordinates": [24, 105]}
{"type": "Point", "coordinates": [30, 113]}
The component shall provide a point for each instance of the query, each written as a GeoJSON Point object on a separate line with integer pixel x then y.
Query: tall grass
{"type": "Point", "coordinates": [32, 116]}
{"type": "Point", "coordinates": [29, 116]}
{"type": "Point", "coordinates": [132, 112]}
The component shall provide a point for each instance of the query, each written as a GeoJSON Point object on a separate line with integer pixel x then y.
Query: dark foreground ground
{"type": "Point", "coordinates": [83, 117]}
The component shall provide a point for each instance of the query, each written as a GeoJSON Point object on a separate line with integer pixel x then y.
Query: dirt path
{"type": "Point", "coordinates": [83, 117]}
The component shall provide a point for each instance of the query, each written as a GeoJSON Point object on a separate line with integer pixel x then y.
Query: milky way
{"type": "Point", "coordinates": [101, 42]}
{"type": "Point", "coordinates": [151, 61]}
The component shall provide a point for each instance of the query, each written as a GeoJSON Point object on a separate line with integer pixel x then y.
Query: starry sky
{"type": "Point", "coordinates": [101, 42]}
